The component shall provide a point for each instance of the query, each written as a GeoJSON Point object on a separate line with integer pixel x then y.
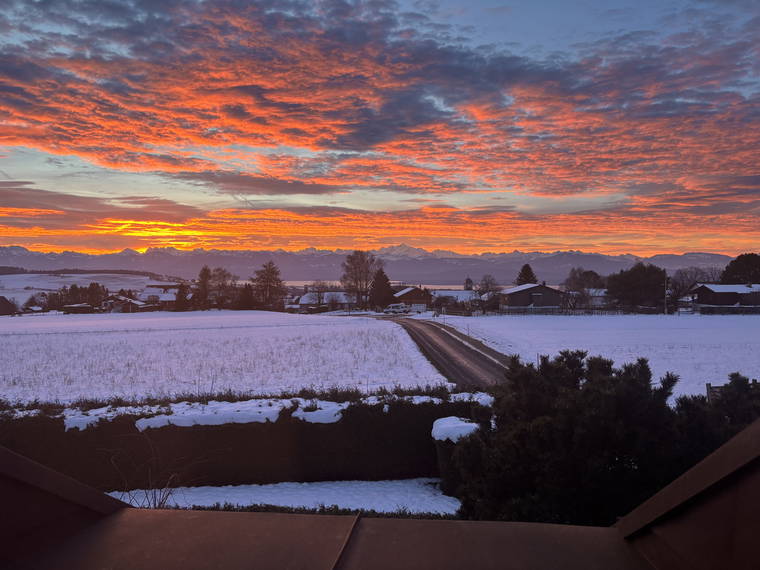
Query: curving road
{"type": "Point", "coordinates": [463, 360]}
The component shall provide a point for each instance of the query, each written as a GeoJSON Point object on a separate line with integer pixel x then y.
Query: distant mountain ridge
{"type": "Point", "coordinates": [402, 262]}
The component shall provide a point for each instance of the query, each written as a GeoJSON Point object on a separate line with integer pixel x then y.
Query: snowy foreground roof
{"type": "Point", "coordinates": [716, 288]}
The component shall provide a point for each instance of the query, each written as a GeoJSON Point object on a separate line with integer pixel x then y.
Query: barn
{"type": "Point", "coordinates": [531, 295]}
{"type": "Point", "coordinates": [418, 299]}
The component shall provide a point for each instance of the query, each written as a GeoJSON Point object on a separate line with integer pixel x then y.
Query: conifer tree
{"type": "Point", "coordinates": [526, 275]}
{"type": "Point", "coordinates": [181, 302]}
{"type": "Point", "coordinates": [246, 300]}
{"type": "Point", "coordinates": [200, 298]}
{"type": "Point", "coordinates": [380, 292]}
{"type": "Point", "coordinates": [268, 285]}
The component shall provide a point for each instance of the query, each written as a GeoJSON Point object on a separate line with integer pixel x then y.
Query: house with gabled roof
{"type": "Point", "coordinates": [417, 298]}
{"type": "Point", "coordinates": [531, 295]}
{"type": "Point", "coordinates": [724, 298]}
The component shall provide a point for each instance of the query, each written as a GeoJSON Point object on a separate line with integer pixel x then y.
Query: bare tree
{"type": "Point", "coordinates": [222, 286]}
{"type": "Point", "coordinates": [358, 270]}
{"type": "Point", "coordinates": [684, 280]}
{"type": "Point", "coordinates": [488, 284]}
{"type": "Point", "coordinates": [319, 288]}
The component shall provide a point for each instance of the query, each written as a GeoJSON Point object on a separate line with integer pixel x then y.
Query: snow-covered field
{"type": "Point", "coordinates": [413, 495]}
{"type": "Point", "coordinates": [699, 348]}
{"type": "Point", "coordinates": [67, 357]}
{"type": "Point", "coordinates": [21, 287]}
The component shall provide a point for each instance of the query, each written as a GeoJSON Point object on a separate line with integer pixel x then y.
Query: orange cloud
{"type": "Point", "coordinates": [246, 100]}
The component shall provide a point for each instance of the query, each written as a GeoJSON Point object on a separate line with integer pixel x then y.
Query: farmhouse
{"type": "Point", "coordinates": [456, 295]}
{"type": "Point", "coordinates": [531, 295]}
{"type": "Point", "coordinates": [122, 304]}
{"type": "Point", "coordinates": [78, 308]}
{"type": "Point", "coordinates": [334, 300]}
{"type": "Point", "coordinates": [163, 295]}
{"type": "Point", "coordinates": [717, 298]}
{"type": "Point", "coordinates": [417, 298]}
{"type": "Point", "coordinates": [597, 298]}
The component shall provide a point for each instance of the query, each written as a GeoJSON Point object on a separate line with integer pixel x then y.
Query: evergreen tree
{"type": "Point", "coordinates": [200, 296]}
{"type": "Point", "coordinates": [95, 294]}
{"type": "Point", "coordinates": [181, 302]}
{"type": "Point", "coordinates": [268, 285]}
{"type": "Point", "coordinates": [575, 441]}
{"type": "Point", "coordinates": [468, 284]}
{"type": "Point", "coordinates": [580, 279]}
{"type": "Point", "coordinates": [380, 292]}
{"type": "Point", "coordinates": [640, 286]}
{"type": "Point", "coordinates": [526, 275]}
{"type": "Point", "coordinates": [742, 270]}
{"type": "Point", "coordinates": [246, 299]}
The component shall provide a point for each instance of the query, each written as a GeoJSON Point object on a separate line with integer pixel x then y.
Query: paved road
{"type": "Point", "coordinates": [461, 359]}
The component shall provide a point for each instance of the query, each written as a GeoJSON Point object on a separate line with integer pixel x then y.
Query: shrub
{"type": "Point", "coordinates": [578, 441]}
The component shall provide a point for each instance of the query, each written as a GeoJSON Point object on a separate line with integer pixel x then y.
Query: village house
{"type": "Point", "coordinates": [597, 298]}
{"type": "Point", "coordinates": [122, 304]}
{"type": "Point", "coordinates": [530, 296]}
{"type": "Point", "coordinates": [713, 297]}
{"type": "Point", "coordinates": [163, 295]}
{"type": "Point", "coordinates": [416, 298]}
{"type": "Point", "coordinates": [78, 309]}
{"type": "Point", "coordinates": [453, 299]}
{"type": "Point", "coordinates": [326, 300]}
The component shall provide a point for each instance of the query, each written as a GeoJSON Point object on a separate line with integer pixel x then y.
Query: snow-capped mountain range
{"type": "Point", "coordinates": [402, 262]}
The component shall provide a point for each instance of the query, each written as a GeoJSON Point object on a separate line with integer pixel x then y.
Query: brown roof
{"type": "Point", "coordinates": [707, 518]}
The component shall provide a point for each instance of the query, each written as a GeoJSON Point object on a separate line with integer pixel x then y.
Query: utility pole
{"type": "Point", "coordinates": [665, 300]}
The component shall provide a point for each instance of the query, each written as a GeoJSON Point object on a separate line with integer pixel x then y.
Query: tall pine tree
{"type": "Point", "coordinates": [526, 275]}
{"type": "Point", "coordinates": [268, 285]}
{"type": "Point", "coordinates": [380, 292]}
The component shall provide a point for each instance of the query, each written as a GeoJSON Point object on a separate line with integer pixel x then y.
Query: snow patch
{"type": "Point", "coordinates": [256, 410]}
{"type": "Point", "coordinates": [452, 428]}
{"type": "Point", "coordinates": [421, 495]}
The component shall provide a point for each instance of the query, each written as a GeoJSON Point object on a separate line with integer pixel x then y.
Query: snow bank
{"type": "Point", "coordinates": [478, 397]}
{"type": "Point", "coordinates": [257, 410]}
{"type": "Point", "coordinates": [452, 428]}
{"type": "Point", "coordinates": [184, 414]}
{"type": "Point", "coordinates": [414, 495]}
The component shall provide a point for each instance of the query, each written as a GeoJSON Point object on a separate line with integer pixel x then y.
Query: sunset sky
{"type": "Point", "coordinates": [609, 126]}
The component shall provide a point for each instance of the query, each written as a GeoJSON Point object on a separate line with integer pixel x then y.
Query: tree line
{"type": "Point", "coordinates": [641, 286]}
